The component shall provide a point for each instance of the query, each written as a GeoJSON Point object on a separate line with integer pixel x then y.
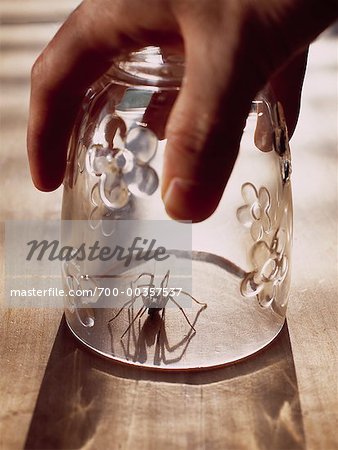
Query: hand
{"type": "Point", "coordinates": [232, 48]}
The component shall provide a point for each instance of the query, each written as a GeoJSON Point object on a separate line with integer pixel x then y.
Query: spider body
{"type": "Point", "coordinates": [155, 303]}
{"type": "Point", "coordinates": [154, 311]}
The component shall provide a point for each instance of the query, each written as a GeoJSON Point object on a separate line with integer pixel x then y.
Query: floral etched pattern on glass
{"type": "Point", "coordinates": [255, 213]}
{"type": "Point", "coordinates": [77, 284]}
{"type": "Point", "coordinates": [120, 159]}
{"type": "Point", "coordinates": [270, 269]}
{"type": "Point", "coordinates": [268, 255]}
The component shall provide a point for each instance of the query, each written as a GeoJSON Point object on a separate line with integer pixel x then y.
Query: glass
{"type": "Point", "coordinates": [240, 256]}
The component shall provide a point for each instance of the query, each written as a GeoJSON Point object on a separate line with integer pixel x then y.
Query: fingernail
{"type": "Point", "coordinates": [179, 196]}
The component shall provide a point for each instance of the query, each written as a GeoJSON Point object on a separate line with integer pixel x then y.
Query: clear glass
{"type": "Point", "coordinates": [240, 256]}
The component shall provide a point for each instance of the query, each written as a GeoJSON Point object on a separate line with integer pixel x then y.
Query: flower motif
{"type": "Point", "coordinates": [78, 284]}
{"type": "Point", "coordinates": [270, 269]}
{"type": "Point", "coordinates": [255, 213]}
{"type": "Point", "coordinates": [123, 166]}
{"type": "Point", "coordinates": [98, 218]}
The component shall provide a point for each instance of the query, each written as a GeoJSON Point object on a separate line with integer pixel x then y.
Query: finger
{"type": "Point", "coordinates": [158, 111]}
{"type": "Point", "coordinates": [60, 77]}
{"type": "Point", "coordinates": [205, 128]}
{"type": "Point", "coordinates": [287, 85]}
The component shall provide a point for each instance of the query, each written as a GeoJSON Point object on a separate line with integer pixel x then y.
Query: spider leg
{"type": "Point", "coordinates": [186, 339]}
{"type": "Point", "coordinates": [150, 275]}
{"type": "Point", "coordinates": [130, 335]}
{"type": "Point", "coordinates": [159, 331]}
{"type": "Point", "coordinates": [182, 310]}
{"type": "Point", "coordinates": [165, 345]}
{"type": "Point", "coordinates": [164, 282]}
{"type": "Point", "coordinates": [145, 285]}
{"type": "Point", "coordinates": [159, 344]}
{"type": "Point", "coordinates": [193, 298]}
{"type": "Point", "coordinates": [126, 351]}
{"type": "Point", "coordinates": [137, 315]}
{"type": "Point", "coordinates": [139, 320]}
{"type": "Point", "coordinates": [132, 301]}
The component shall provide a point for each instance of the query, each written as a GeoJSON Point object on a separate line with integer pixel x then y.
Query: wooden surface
{"type": "Point", "coordinates": [56, 395]}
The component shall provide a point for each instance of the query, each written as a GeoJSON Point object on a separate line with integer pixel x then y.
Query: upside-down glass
{"type": "Point", "coordinates": [240, 256]}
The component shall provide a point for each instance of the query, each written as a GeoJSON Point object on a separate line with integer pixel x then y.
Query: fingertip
{"type": "Point", "coordinates": [47, 172]}
{"type": "Point", "coordinates": [47, 187]}
{"type": "Point", "coordinates": [189, 200]}
{"type": "Point", "coordinates": [47, 183]}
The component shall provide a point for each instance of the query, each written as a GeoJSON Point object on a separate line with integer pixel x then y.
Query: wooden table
{"type": "Point", "coordinates": [56, 395]}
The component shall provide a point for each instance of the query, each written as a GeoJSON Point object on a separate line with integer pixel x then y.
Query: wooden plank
{"type": "Point", "coordinates": [313, 304]}
{"type": "Point", "coordinates": [35, 11]}
{"type": "Point", "coordinates": [107, 405]}
{"type": "Point", "coordinates": [26, 36]}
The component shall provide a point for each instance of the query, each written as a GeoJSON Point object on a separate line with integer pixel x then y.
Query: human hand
{"type": "Point", "coordinates": [232, 48]}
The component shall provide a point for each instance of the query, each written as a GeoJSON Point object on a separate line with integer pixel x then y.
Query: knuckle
{"type": "Point", "coordinates": [38, 67]}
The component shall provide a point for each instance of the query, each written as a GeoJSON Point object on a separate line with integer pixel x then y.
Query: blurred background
{"type": "Point", "coordinates": [26, 27]}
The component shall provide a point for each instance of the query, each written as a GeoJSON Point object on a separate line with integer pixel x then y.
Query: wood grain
{"type": "Point", "coordinates": [250, 405]}
{"type": "Point", "coordinates": [56, 395]}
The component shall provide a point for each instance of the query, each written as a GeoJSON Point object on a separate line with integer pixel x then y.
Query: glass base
{"type": "Point", "coordinates": [229, 328]}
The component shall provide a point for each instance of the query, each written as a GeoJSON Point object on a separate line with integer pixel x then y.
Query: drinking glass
{"type": "Point", "coordinates": [222, 294]}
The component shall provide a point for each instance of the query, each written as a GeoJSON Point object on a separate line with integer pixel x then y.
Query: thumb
{"type": "Point", "coordinates": [204, 130]}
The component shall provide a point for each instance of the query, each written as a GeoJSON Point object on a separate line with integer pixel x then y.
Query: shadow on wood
{"type": "Point", "coordinates": [88, 401]}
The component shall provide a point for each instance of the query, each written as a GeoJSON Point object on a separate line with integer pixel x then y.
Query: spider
{"type": "Point", "coordinates": [151, 342]}
{"type": "Point", "coordinates": [152, 302]}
